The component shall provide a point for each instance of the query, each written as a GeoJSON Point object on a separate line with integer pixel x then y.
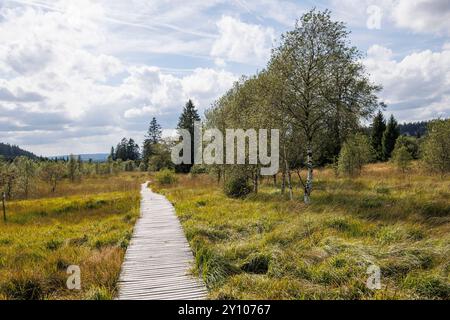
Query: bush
{"type": "Point", "coordinates": [237, 187]}
{"type": "Point", "coordinates": [355, 153]}
{"type": "Point", "coordinates": [401, 158]}
{"type": "Point", "coordinates": [410, 143]}
{"type": "Point", "coordinates": [197, 169]}
{"type": "Point", "coordinates": [436, 147]}
{"type": "Point", "coordinates": [166, 177]}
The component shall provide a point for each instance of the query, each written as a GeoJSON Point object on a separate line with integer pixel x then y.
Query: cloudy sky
{"type": "Point", "coordinates": [77, 75]}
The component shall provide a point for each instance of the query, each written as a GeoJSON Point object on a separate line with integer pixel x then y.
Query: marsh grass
{"type": "Point", "coordinates": [88, 225]}
{"type": "Point", "coordinates": [266, 247]}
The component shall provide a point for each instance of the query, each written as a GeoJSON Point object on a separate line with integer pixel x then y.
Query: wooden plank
{"type": "Point", "coordinates": [158, 259]}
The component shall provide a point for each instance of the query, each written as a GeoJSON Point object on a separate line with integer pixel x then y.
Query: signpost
{"type": "Point", "coordinates": [4, 206]}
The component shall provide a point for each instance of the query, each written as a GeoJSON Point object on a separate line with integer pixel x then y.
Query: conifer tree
{"type": "Point", "coordinates": [187, 121]}
{"type": "Point", "coordinates": [378, 128]}
{"type": "Point", "coordinates": [152, 138]}
{"type": "Point", "coordinates": [390, 136]}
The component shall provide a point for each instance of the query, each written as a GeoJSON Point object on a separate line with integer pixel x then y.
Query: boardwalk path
{"type": "Point", "coordinates": [158, 259]}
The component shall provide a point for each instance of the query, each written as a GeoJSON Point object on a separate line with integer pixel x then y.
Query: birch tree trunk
{"type": "Point", "coordinates": [255, 182]}
{"type": "Point", "coordinates": [288, 173]}
{"type": "Point", "coordinates": [309, 177]}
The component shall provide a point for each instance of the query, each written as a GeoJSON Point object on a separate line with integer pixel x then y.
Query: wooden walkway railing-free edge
{"type": "Point", "coordinates": [158, 258]}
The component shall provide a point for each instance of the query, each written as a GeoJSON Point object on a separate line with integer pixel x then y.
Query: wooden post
{"type": "Point", "coordinates": [4, 206]}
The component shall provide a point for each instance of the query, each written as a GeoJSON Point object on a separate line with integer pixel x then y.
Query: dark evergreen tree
{"type": "Point", "coordinates": [390, 136]}
{"type": "Point", "coordinates": [112, 154]}
{"type": "Point", "coordinates": [187, 121]}
{"type": "Point", "coordinates": [376, 137]}
{"type": "Point", "coordinates": [132, 150]}
{"type": "Point", "coordinates": [152, 138]}
{"type": "Point", "coordinates": [121, 150]}
{"type": "Point", "coordinates": [154, 132]}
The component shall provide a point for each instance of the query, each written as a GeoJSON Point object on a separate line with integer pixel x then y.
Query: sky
{"type": "Point", "coordinates": [78, 75]}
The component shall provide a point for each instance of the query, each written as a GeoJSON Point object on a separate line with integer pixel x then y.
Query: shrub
{"type": "Point", "coordinates": [410, 143]}
{"type": "Point", "coordinates": [198, 169]}
{"type": "Point", "coordinates": [237, 187]}
{"type": "Point", "coordinates": [166, 177]}
{"type": "Point", "coordinates": [436, 147]}
{"type": "Point", "coordinates": [402, 158]}
{"type": "Point", "coordinates": [355, 153]}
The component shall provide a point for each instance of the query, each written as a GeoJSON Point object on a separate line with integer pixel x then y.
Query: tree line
{"type": "Point", "coordinates": [314, 90]}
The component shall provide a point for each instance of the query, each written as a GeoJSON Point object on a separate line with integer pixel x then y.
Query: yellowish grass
{"type": "Point", "coordinates": [267, 247]}
{"type": "Point", "coordinates": [88, 225]}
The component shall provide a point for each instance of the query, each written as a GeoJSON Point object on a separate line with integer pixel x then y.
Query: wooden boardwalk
{"type": "Point", "coordinates": [158, 259]}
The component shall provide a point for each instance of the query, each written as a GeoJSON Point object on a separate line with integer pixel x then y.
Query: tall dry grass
{"type": "Point", "coordinates": [267, 247]}
{"type": "Point", "coordinates": [88, 224]}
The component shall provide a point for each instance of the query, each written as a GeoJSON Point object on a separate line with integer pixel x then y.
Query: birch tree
{"type": "Point", "coordinates": [325, 79]}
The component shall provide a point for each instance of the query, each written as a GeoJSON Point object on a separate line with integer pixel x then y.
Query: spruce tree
{"type": "Point", "coordinates": [390, 136]}
{"type": "Point", "coordinates": [132, 150]}
{"type": "Point", "coordinates": [152, 138]}
{"type": "Point", "coordinates": [376, 138]}
{"type": "Point", "coordinates": [187, 121]}
{"type": "Point", "coordinates": [112, 154]}
{"type": "Point", "coordinates": [154, 132]}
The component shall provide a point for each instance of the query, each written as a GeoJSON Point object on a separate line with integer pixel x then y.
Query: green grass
{"type": "Point", "coordinates": [266, 247]}
{"type": "Point", "coordinates": [42, 237]}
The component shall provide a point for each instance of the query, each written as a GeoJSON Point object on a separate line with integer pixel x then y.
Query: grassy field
{"type": "Point", "coordinates": [267, 247]}
{"type": "Point", "coordinates": [87, 223]}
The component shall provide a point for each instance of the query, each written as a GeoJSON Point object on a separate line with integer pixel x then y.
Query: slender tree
{"type": "Point", "coordinates": [187, 121]}
{"type": "Point", "coordinates": [376, 137]}
{"type": "Point", "coordinates": [312, 57]}
{"type": "Point", "coordinates": [26, 169]}
{"type": "Point", "coordinates": [152, 138]}
{"type": "Point", "coordinates": [390, 136]}
{"type": "Point", "coordinates": [154, 132]}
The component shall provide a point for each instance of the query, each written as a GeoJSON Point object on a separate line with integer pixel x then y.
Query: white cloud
{"type": "Point", "coordinates": [431, 16]}
{"type": "Point", "coordinates": [421, 16]}
{"type": "Point", "coordinates": [161, 93]}
{"type": "Point", "coordinates": [243, 42]}
{"type": "Point", "coordinates": [418, 86]}
{"type": "Point", "coordinates": [59, 86]}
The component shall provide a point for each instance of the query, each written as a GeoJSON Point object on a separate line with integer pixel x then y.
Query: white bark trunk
{"type": "Point", "coordinates": [309, 178]}
{"type": "Point", "coordinates": [288, 174]}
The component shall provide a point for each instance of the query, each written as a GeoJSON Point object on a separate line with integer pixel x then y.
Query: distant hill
{"type": "Point", "coordinates": [95, 157]}
{"type": "Point", "coordinates": [416, 129]}
{"type": "Point", "coordinates": [11, 151]}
